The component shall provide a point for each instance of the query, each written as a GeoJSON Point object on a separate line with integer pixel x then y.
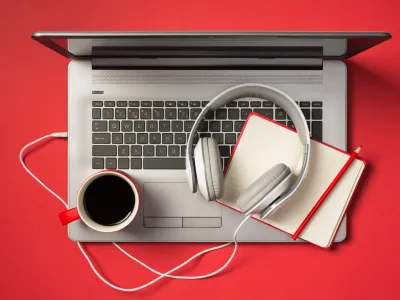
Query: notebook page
{"type": "Point", "coordinates": [264, 144]}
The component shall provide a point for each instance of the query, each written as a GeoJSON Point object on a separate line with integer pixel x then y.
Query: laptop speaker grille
{"type": "Point", "coordinates": [204, 79]}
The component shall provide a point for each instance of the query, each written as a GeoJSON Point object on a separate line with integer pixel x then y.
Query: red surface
{"type": "Point", "coordinates": [38, 261]}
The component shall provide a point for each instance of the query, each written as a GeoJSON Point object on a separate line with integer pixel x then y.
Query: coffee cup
{"type": "Point", "coordinates": [107, 201]}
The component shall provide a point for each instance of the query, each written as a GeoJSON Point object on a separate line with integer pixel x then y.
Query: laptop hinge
{"type": "Point", "coordinates": [207, 64]}
{"type": "Point", "coordinates": [205, 58]}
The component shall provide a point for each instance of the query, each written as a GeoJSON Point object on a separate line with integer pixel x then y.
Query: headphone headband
{"type": "Point", "coordinates": [260, 91]}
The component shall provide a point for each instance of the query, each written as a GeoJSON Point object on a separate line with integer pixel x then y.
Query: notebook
{"type": "Point", "coordinates": [262, 144]}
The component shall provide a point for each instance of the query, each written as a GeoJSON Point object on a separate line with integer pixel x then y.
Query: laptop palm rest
{"type": "Point", "coordinates": [173, 205]}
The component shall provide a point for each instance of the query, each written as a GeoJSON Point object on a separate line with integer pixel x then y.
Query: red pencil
{"type": "Point", "coordinates": [326, 193]}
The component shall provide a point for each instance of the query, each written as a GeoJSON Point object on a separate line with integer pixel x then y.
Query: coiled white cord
{"type": "Point", "coordinates": [161, 275]}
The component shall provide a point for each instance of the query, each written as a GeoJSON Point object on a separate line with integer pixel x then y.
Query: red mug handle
{"type": "Point", "coordinates": [69, 216]}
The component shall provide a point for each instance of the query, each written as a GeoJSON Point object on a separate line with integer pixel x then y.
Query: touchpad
{"type": "Point", "coordinates": [176, 200]}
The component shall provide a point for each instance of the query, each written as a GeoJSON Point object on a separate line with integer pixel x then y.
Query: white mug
{"type": "Point", "coordinates": [79, 212]}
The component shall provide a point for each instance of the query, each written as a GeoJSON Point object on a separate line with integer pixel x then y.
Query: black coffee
{"type": "Point", "coordinates": [109, 200]}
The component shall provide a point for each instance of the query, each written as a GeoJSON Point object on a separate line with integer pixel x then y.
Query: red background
{"type": "Point", "coordinates": [37, 259]}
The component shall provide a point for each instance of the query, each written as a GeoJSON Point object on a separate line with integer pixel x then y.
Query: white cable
{"type": "Point", "coordinates": [161, 275]}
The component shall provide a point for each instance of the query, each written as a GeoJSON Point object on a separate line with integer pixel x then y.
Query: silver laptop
{"type": "Point", "coordinates": [133, 97]}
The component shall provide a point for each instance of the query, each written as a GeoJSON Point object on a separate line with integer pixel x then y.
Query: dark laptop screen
{"type": "Point", "coordinates": [335, 45]}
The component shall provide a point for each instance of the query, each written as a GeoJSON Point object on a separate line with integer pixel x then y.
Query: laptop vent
{"type": "Point", "coordinates": [204, 79]}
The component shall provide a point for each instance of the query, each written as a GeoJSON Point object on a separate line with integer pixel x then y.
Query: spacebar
{"type": "Point", "coordinates": [164, 163]}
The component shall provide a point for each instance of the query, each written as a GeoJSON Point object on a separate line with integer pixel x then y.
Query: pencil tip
{"type": "Point", "coordinates": [358, 149]}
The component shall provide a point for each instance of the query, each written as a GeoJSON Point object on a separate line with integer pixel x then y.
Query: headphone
{"type": "Point", "coordinates": [273, 188]}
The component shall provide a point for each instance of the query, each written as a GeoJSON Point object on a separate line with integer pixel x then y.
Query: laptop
{"type": "Point", "coordinates": [133, 97]}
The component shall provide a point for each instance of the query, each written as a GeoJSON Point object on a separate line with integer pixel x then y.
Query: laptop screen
{"type": "Point", "coordinates": [334, 45]}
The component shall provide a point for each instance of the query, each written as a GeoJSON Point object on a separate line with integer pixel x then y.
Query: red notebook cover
{"type": "Point", "coordinates": [288, 128]}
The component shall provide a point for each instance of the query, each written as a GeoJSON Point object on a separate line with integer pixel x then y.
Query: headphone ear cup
{"type": "Point", "coordinates": [268, 187]}
{"type": "Point", "coordinates": [215, 170]}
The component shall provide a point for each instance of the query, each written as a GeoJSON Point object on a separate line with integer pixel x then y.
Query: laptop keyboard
{"type": "Point", "coordinates": [153, 134]}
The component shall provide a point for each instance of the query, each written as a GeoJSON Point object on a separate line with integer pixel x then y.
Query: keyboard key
{"type": "Point", "coordinates": [133, 113]}
{"type": "Point", "coordinates": [187, 126]}
{"type": "Point", "coordinates": [134, 103]}
{"type": "Point", "coordinates": [255, 104]}
{"type": "Point", "coordinates": [243, 103]}
{"type": "Point", "coordinates": [233, 114]}
{"type": "Point", "coordinates": [155, 138]}
{"type": "Point", "coordinates": [111, 163]}
{"type": "Point", "coordinates": [183, 150]}
{"type": "Point", "coordinates": [164, 126]}
{"type": "Point", "coordinates": [114, 126]}
{"type": "Point", "coordinates": [180, 138]}
{"type": "Point", "coordinates": [104, 150]}
{"type": "Point", "coordinates": [210, 115]}
{"type": "Point", "coordinates": [194, 103]}
{"type": "Point", "coordinates": [99, 126]}
{"type": "Point", "coordinates": [173, 150]}
{"type": "Point", "coordinates": [123, 150]}
{"type": "Point", "coordinates": [109, 103]}
{"type": "Point", "coordinates": [161, 150]}
{"type": "Point", "coordinates": [227, 126]}
{"type": "Point", "coordinates": [194, 113]}
{"type": "Point", "coordinates": [136, 163]}
{"type": "Point", "coordinates": [231, 104]}
{"type": "Point", "coordinates": [221, 114]}
{"type": "Point", "coordinates": [244, 113]}
{"type": "Point", "coordinates": [138, 126]}
{"type": "Point", "coordinates": [239, 125]}
{"type": "Point", "coordinates": [204, 103]}
{"type": "Point", "coordinates": [167, 138]}
{"type": "Point", "coordinates": [269, 113]}
{"type": "Point", "coordinates": [203, 126]}
{"type": "Point", "coordinates": [148, 150]}
{"type": "Point", "coordinates": [215, 126]}
{"type": "Point", "coordinates": [145, 104]}
{"type": "Point", "coordinates": [108, 113]}
{"type": "Point", "coordinates": [170, 103]}
{"type": "Point", "coordinates": [151, 126]}
{"type": "Point", "coordinates": [129, 138]}
{"type": "Point", "coordinates": [170, 113]}
{"type": "Point", "coordinates": [158, 113]}
{"type": "Point", "coordinates": [96, 113]}
{"type": "Point", "coordinates": [290, 124]}
{"type": "Point", "coordinates": [182, 104]}
{"type": "Point", "coordinates": [282, 122]}
{"type": "Point", "coordinates": [164, 163]}
{"type": "Point", "coordinates": [97, 103]}
{"type": "Point", "coordinates": [158, 103]}
{"type": "Point", "coordinates": [267, 103]}
{"type": "Point", "coordinates": [280, 114]}
{"type": "Point", "coordinates": [177, 126]}
{"type": "Point", "coordinates": [317, 130]}
{"type": "Point", "coordinates": [317, 114]}
{"type": "Point", "coordinates": [120, 113]}
{"type": "Point", "coordinates": [225, 151]}
{"type": "Point", "coordinates": [101, 138]}
{"type": "Point", "coordinates": [145, 113]}
{"type": "Point", "coordinates": [309, 125]}
{"type": "Point", "coordinates": [219, 137]}
{"type": "Point", "coordinates": [136, 150]}
{"type": "Point", "coordinates": [117, 138]}
{"type": "Point", "coordinates": [142, 138]}
{"type": "Point", "coordinates": [205, 134]}
{"type": "Point", "coordinates": [225, 162]}
{"type": "Point", "coordinates": [305, 104]}
{"type": "Point", "coordinates": [230, 138]}
{"type": "Point", "coordinates": [123, 163]}
{"type": "Point", "coordinates": [317, 104]}
{"type": "Point", "coordinates": [183, 113]}
{"type": "Point", "coordinates": [122, 103]}
{"type": "Point", "coordinates": [126, 126]}
{"type": "Point", "coordinates": [306, 113]}
{"type": "Point", "coordinates": [97, 163]}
